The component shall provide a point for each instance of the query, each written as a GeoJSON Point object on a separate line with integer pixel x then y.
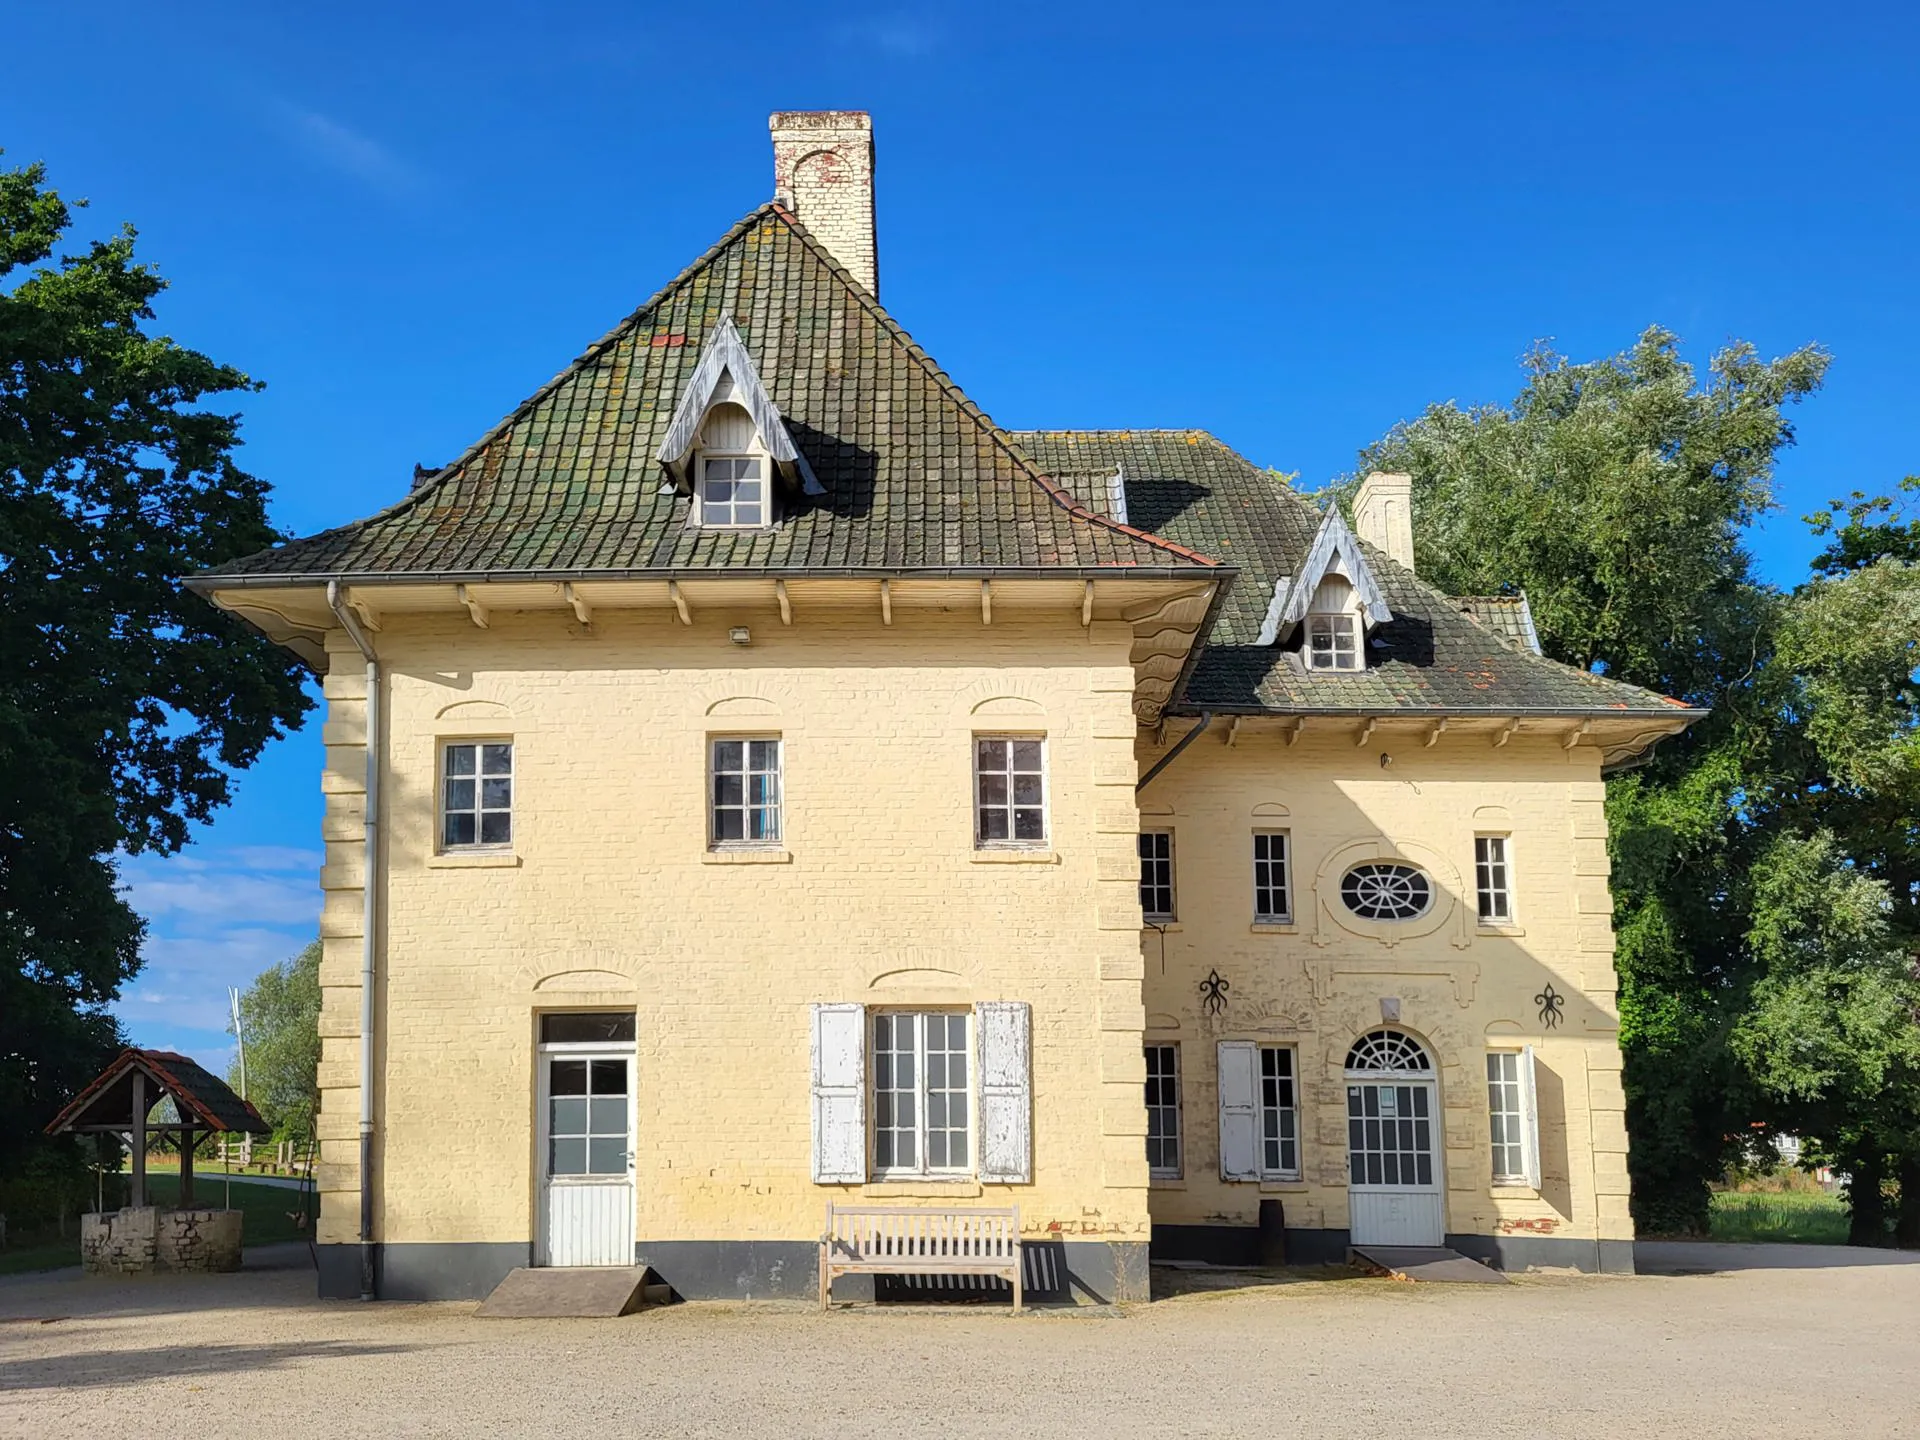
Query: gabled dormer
{"type": "Point", "coordinates": [1331, 604]}
{"type": "Point", "coordinates": [728, 447]}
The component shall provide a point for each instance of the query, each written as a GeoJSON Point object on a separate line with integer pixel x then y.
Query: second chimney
{"type": "Point", "coordinates": [1383, 515]}
{"type": "Point", "coordinates": [823, 172]}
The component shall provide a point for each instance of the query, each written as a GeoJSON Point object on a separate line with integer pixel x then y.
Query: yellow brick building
{"type": "Point", "coordinates": [755, 779]}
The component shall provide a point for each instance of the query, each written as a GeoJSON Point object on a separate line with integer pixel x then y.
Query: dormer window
{"type": "Point", "coordinates": [727, 442]}
{"type": "Point", "coordinates": [1328, 608]}
{"type": "Point", "coordinates": [732, 482]}
{"type": "Point", "coordinates": [1333, 628]}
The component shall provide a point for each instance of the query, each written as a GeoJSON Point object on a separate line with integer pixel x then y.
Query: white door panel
{"type": "Point", "coordinates": [586, 1157]}
{"type": "Point", "coordinates": [1394, 1187]}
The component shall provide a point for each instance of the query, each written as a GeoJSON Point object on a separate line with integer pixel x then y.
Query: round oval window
{"type": "Point", "coordinates": [1386, 892]}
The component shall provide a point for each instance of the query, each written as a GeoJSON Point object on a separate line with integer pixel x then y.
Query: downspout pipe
{"type": "Point", "coordinates": [1206, 719]}
{"type": "Point", "coordinates": [370, 897]}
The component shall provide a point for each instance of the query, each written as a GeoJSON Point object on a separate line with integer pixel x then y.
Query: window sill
{"type": "Point", "coordinates": [1167, 1182]}
{"type": "Point", "coordinates": [1519, 1190]}
{"type": "Point", "coordinates": [1165, 927]}
{"type": "Point", "coordinates": [1015, 857]}
{"type": "Point", "coordinates": [473, 860]}
{"type": "Point", "coordinates": [957, 1188]}
{"type": "Point", "coordinates": [1282, 1187]}
{"type": "Point", "coordinates": [1500, 930]}
{"type": "Point", "coordinates": [1273, 927]}
{"type": "Point", "coordinates": [747, 857]}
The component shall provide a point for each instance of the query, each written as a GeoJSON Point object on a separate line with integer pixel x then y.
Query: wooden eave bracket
{"type": "Point", "coordinates": [886, 602]}
{"type": "Point", "coordinates": [475, 610]}
{"type": "Point", "coordinates": [786, 604]}
{"type": "Point", "coordinates": [679, 599]}
{"type": "Point", "coordinates": [582, 611]}
{"type": "Point", "coordinates": [1086, 605]}
{"type": "Point", "coordinates": [1577, 734]}
{"type": "Point", "coordinates": [1435, 731]}
{"type": "Point", "coordinates": [986, 602]}
{"type": "Point", "coordinates": [1506, 733]}
{"type": "Point", "coordinates": [1366, 732]}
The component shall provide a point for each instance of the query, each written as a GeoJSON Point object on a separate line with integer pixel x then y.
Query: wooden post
{"type": "Point", "coordinates": [137, 1191]}
{"type": "Point", "coordinates": [186, 1165]}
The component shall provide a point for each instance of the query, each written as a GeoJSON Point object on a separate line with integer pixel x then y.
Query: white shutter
{"type": "Point", "coordinates": [1006, 1090]}
{"type": "Point", "coordinates": [1529, 1118]}
{"type": "Point", "coordinates": [839, 1094]}
{"type": "Point", "coordinates": [1239, 1072]}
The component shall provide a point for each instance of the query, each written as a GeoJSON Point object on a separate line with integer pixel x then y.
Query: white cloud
{"type": "Point", "coordinates": [341, 148]}
{"type": "Point", "coordinates": [897, 33]}
{"type": "Point", "coordinates": [225, 889]}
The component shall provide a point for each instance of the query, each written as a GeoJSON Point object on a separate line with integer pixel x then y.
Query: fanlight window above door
{"type": "Point", "coordinates": [1385, 891]}
{"type": "Point", "coordinates": [1389, 1051]}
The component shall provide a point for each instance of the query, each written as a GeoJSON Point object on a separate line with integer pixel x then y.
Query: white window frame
{"type": "Point", "coordinates": [1518, 1104]}
{"type": "Point", "coordinates": [708, 519]}
{"type": "Point", "coordinates": [1493, 861]}
{"type": "Point", "coordinates": [1262, 915]}
{"type": "Point", "coordinates": [1334, 627]}
{"type": "Point", "coordinates": [980, 840]}
{"type": "Point", "coordinates": [443, 810]}
{"type": "Point", "coordinates": [1292, 1077]}
{"type": "Point", "coordinates": [921, 1169]}
{"type": "Point", "coordinates": [746, 807]}
{"type": "Point", "coordinates": [1169, 1112]}
{"type": "Point", "coordinates": [1147, 913]}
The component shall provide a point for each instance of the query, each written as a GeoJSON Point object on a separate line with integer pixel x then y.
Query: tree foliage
{"type": "Point", "coordinates": [124, 703]}
{"type": "Point", "coordinates": [1616, 494]}
{"type": "Point", "coordinates": [280, 1015]}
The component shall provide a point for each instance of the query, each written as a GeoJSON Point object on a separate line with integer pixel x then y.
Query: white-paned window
{"type": "Point", "coordinates": [1272, 878]}
{"type": "Point", "coordinates": [1156, 874]}
{"type": "Point", "coordinates": [476, 794]}
{"type": "Point", "coordinates": [1333, 642]}
{"type": "Point", "coordinates": [1163, 1111]}
{"type": "Point", "coordinates": [733, 491]}
{"type": "Point", "coordinates": [1009, 790]}
{"type": "Point", "coordinates": [745, 791]}
{"type": "Point", "coordinates": [1506, 1117]}
{"type": "Point", "coordinates": [1279, 1114]}
{"type": "Point", "coordinates": [922, 1088]}
{"type": "Point", "coordinates": [1493, 877]}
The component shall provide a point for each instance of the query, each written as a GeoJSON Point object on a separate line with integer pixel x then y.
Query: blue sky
{"type": "Point", "coordinates": [1292, 225]}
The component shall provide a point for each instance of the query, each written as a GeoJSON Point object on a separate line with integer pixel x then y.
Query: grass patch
{"type": "Point", "coordinates": [270, 1212]}
{"type": "Point", "coordinates": [1786, 1217]}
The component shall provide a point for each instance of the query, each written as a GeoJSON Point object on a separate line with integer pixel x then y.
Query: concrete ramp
{"type": "Point", "coordinates": [597, 1293]}
{"type": "Point", "coordinates": [1426, 1262]}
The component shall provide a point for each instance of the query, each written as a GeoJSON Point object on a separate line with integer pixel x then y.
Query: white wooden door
{"type": "Point", "coordinates": [1394, 1183]}
{"type": "Point", "coordinates": [586, 1149]}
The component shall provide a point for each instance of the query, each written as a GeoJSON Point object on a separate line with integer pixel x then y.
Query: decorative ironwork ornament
{"type": "Point", "coordinates": [1213, 992]}
{"type": "Point", "coordinates": [1550, 1001]}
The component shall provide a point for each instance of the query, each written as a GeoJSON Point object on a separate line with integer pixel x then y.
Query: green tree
{"type": "Point", "coordinates": [1616, 494]}
{"type": "Point", "coordinates": [124, 704]}
{"type": "Point", "coordinates": [280, 1013]}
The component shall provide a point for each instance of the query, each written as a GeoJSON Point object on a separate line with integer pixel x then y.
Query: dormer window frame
{"type": "Point", "coordinates": [1303, 607]}
{"type": "Point", "coordinates": [754, 453]}
{"type": "Point", "coordinates": [1326, 629]}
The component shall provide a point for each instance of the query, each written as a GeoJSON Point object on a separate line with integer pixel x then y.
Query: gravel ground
{"type": "Point", "coordinates": [1768, 1350]}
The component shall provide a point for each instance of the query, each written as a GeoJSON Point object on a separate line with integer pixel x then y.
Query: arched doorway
{"type": "Point", "coordinates": [1394, 1187]}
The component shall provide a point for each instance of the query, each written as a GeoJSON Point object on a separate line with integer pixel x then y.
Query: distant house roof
{"type": "Point", "coordinates": [1437, 654]}
{"type": "Point", "coordinates": [1508, 616]}
{"type": "Point", "coordinates": [202, 1099]}
{"type": "Point", "coordinates": [912, 476]}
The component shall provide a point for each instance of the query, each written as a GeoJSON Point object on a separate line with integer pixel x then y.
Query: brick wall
{"type": "Point", "coordinates": [612, 898]}
{"type": "Point", "coordinates": [1318, 982]}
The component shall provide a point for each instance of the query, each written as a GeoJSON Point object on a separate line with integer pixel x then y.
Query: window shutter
{"type": "Point", "coordinates": [1006, 1090]}
{"type": "Point", "coordinates": [1529, 1118]}
{"type": "Point", "coordinates": [1239, 1072]}
{"type": "Point", "coordinates": [839, 1094]}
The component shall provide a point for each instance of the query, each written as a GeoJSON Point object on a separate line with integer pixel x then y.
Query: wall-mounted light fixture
{"type": "Point", "coordinates": [740, 635]}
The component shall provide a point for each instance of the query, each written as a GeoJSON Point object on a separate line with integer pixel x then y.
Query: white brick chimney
{"type": "Point", "coordinates": [1383, 515]}
{"type": "Point", "coordinates": [823, 172]}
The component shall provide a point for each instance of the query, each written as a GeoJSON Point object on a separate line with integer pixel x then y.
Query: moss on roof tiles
{"type": "Point", "coordinates": [916, 477]}
{"type": "Point", "coordinates": [1188, 487]}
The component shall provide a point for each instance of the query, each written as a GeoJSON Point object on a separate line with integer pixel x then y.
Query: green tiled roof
{"type": "Point", "coordinates": [916, 477]}
{"type": "Point", "coordinates": [1433, 655]}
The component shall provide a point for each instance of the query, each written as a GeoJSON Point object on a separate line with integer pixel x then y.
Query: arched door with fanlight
{"type": "Point", "coordinates": [1394, 1185]}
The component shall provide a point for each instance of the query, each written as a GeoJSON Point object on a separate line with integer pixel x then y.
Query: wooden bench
{"type": "Point", "coordinates": [894, 1240]}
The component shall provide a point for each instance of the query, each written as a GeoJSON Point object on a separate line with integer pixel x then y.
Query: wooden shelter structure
{"type": "Point", "coordinates": [121, 1099]}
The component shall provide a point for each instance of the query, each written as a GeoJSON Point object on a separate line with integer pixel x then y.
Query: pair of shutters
{"type": "Point", "coordinates": [1003, 1032]}
{"type": "Point", "coordinates": [1239, 1072]}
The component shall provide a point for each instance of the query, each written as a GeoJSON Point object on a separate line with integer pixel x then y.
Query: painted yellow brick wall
{"type": "Point", "coordinates": [612, 899]}
{"type": "Point", "coordinates": [1318, 983]}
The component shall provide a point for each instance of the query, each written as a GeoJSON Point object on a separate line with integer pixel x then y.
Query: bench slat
{"type": "Point", "coordinates": [903, 1240]}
